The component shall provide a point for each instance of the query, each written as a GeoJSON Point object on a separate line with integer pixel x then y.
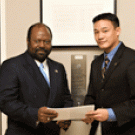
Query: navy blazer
{"type": "Point", "coordinates": [23, 90]}
{"type": "Point", "coordinates": [117, 91]}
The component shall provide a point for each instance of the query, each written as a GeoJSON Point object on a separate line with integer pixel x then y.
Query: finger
{"type": "Point", "coordinates": [50, 112]}
{"type": "Point", "coordinates": [48, 119]}
{"type": "Point", "coordinates": [84, 120]}
{"type": "Point", "coordinates": [61, 121]}
{"type": "Point", "coordinates": [64, 124]}
{"type": "Point", "coordinates": [67, 124]}
{"type": "Point", "coordinates": [44, 120]}
{"type": "Point", "coordinates": [51, 115]}
{"type": "Point", "coordinates": [87, 120]}
{"type": "Point", "coordinates": [52, 118]}
{"type": "Point", "coordinates": [91, 113]}
{"type": "Point", "coordinates": [47, 110]}
{"type": "Point", "coordinates": [61, 124]}
{"type": "Point", "coordinates": [98, 118]}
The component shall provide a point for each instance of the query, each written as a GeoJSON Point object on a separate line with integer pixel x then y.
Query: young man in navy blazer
{"type": "Point", "coordinates": [114, 93]}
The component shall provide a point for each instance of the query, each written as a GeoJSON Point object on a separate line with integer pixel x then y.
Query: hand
{"type": "Point", "coordinates": [99, 115]}
{"type": "Point", "coordinates": [87, 120]}
{"type": "Point", "coordinates": [64, 124]}
{"type": "Point", "coordinates": [46, 115]}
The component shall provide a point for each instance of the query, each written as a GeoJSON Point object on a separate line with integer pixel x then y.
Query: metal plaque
{"type": "Point", "coordinates": [78, 78]}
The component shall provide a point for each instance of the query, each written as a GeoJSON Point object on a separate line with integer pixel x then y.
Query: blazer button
{"type": "Point", "coordinates": [102, 89]}
{"type": "Point", "coordinates": [35, 96]}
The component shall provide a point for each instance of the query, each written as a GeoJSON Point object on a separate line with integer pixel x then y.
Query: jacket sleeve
{"type": "Point", "coordinates": [10, 102]}
{"type": "Point", "coordinates": [68, 102]}
{"type": "Point", "coordinates": [90, 97]}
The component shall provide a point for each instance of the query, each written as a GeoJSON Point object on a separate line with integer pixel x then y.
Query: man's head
{"type": "Point", "coordinates": [39, 41]}
{"type": "Point", "coordinates": [106, 30]}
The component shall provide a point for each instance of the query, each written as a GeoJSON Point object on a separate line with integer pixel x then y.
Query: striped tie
{"type": "Point", "coordinates": [104, 68]}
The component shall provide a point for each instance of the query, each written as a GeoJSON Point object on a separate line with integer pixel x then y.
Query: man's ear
{"type": "Point", "coordinates": [28, 41]}
{"type": "Point", "coordinates": [118, 30]}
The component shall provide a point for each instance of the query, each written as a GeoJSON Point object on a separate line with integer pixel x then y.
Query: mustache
{"type": "Point", "coordinates": [41, 49]}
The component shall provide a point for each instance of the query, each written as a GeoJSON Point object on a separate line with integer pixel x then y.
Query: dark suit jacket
{"type": "Point", "coordinates": [23, 90]}
{"type": "Point", "coordinates": [117, 91]}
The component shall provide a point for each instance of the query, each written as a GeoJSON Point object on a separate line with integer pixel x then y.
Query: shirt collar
{"type": "Point", "coordinates": [112, 53]}
{"type": "Point", "coordinates": [38, 63]}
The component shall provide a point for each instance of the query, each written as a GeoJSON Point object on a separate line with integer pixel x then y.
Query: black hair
{"type": "Point", "coordinates": [107, 16]}
{"type": "Point", "coordinates": [37, 25]}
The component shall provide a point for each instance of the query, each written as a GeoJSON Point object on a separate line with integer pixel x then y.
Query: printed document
{"type": "Point", "coordinates": [72, 113]}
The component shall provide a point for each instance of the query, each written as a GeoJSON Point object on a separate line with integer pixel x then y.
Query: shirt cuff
{"type": "Point", "coordinates": [112, 116]}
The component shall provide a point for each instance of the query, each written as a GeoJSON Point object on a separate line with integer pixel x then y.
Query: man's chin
{"type": "Point", "coordinates": [41, 58]}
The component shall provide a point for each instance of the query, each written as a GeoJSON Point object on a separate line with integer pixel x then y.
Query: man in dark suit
{"type": "Point", "coordinates": [112, 81]}
{"type": "Point", "coordinates": [26, 96]}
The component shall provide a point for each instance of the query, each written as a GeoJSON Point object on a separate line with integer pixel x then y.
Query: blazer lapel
{"type": "Point", "coordinates": [99, 67]}
{"type": "Point", "coordinates": [53, 81]}
{"type": "Point", "coordinates": [115, 62]}
{"type": "Point", "coordinates": [31, 66]}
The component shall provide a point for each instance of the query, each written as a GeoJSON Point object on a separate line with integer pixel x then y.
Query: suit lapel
{"type": "Point", "coordinates": [97, 70]}
{"type": "Point", "coordinates": [53, 81]}
{"type": "Point", "coordinates": [31, 66]}
{"type": "Point", "coordinates": [99, 67]}
{"type": "Point", "coordinates": [115, 62]}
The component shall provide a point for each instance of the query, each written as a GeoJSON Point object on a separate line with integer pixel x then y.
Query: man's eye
{"type": "Point", "coordinates": [95, 32]}
{"type": "Point", "coordinates": [36, 41]}
{"type": "Point", "coordinates": [47, 42]}
{"type": "Point", "coordinates": [105, 30]}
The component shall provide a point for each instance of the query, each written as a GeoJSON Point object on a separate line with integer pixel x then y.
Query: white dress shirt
{"type": "Point", "coordinates": [46, 68]}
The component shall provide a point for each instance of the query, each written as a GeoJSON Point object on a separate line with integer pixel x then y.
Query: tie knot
{"type": "Point", "coordinates": [106, 59]}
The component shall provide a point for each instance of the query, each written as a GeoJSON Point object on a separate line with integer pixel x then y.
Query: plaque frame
{"type": "Point", "coordinates": [66, 44]}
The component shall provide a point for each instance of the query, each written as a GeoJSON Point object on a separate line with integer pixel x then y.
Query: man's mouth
{"type": "Point", "coordinates": [101, 42]}
{"type": "Point", "coordinates": [41, 51]}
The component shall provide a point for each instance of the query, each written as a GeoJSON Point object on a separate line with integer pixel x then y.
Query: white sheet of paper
{"type": "Point", "coordinates": [72, 113]}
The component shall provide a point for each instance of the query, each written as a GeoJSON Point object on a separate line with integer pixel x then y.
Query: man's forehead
{"type": "Point", "coordinates": [103, 24]}
{"type": "Point", "coordinates": [104, 27]}
{"type": "Point", "coordinates": [40, 30]}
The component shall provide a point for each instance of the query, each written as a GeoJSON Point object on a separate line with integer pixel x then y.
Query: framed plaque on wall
{"type": "Point", "coordinates": [71, 21]}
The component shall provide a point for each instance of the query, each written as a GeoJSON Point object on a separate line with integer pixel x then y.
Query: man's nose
{"type": "Point", "coordinates": [41, 44]}
{"type": "Point", "coordinates": [100, 36]}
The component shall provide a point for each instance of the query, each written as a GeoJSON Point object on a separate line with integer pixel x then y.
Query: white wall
{"type": "Point", "coordinates": [126, 14]}
{"type": "Point", "coordinates": [3, 51]}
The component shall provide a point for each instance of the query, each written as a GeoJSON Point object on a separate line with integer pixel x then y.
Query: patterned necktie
{"type": "Point", "coordinates": [104, 68]}
{"type": "Point", "coordinates": [41, 67]}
